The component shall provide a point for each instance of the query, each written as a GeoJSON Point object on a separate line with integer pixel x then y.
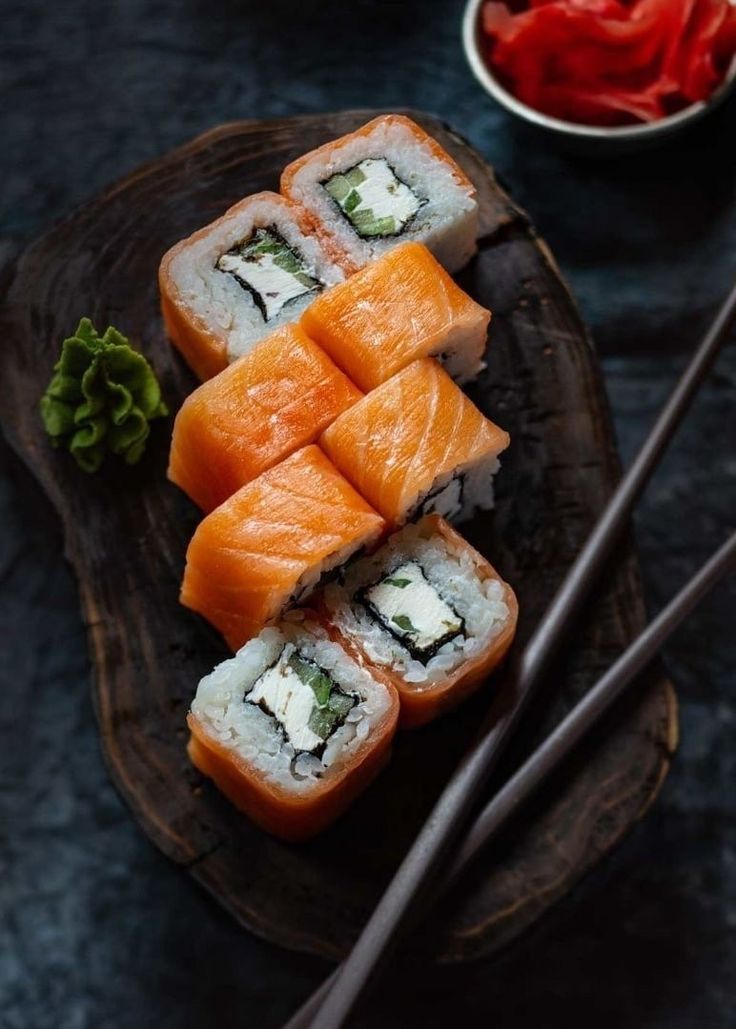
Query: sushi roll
{"type": "Point", "coordinates": [386, 183]}
{"type": "Point", "coordinates": [292, 728]}
{"type": "Point", "coordinates": [232, 282]}
{"type": "Point", "coordinates": [401, 307]}
{"type": "Point", "coordinates": [428, 610]}
{"type": "Point", "coordinates": [267, 404]}
{"type": "Point", "coordinates": [417, 444]}
{"type": "Point", "coordinates": [269, 544]}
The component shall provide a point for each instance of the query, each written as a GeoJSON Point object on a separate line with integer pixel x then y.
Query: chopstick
{"type": "Point", "coordinates": [578, 723]}
{"type": "Point", "coordinates": [587, 712]}
{"type": "Point", "coordinates": [450, 813]}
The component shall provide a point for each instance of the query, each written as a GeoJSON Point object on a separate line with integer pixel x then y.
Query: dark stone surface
{"type": "Point", "coordinates": [96, 928]}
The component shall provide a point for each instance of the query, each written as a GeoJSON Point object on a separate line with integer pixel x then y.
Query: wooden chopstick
{"type": "Point", "coordinates": [588, 712]}
{"type": "Point", "coordinates": [574, 727]}
{"type": "Point", "coordinates": [446, 820]}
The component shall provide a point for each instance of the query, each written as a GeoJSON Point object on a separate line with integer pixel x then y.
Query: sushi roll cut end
{"type": "Point", "coordinates": [303, 699]}
{"type": "Point", "coordinates": [250, 271]}
{"type": "Point", "coordinates": [412, 610]}
{"type": "Point", "coordinates": [373, 199]}
{"type": "Point", "coordinates": [387, 182]}
{"type": "Point", "coordinates": [429, 611]}
{"type": "Point", "coordinates": [292, 728]}
{"type": "Point", "coordinates": [271, 271]}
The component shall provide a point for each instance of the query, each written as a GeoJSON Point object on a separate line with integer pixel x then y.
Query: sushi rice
{"type": "Point", "coordinates": [254, 269]}
{"type": "Point", "coordinates": [479, 603]}
{"type": "Point", "coordinates": [460, 493]}
{"type": "Point", "coordinates": [386, 183]}
{"type": "Point", "coordinates": [222, 707]}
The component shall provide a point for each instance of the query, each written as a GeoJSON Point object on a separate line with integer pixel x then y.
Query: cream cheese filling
{"type": "Point", "coordinates": [373, 198]}
{"type": "Point", "coordinates": [275, 286]}
{"type": "Point", "coordinates": [290, 701]}
{"type": "Point", "coordinates": [270, 270]}
{"type": "Point", "coordinates": [408, 603]}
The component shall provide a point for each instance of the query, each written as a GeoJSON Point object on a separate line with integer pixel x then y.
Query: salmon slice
{"type": "Point", "coordinates": [270, 542]}
{"type": "Point", "coordinates": [417, 444]}
{"type": "Point", "coordinates": [266, 405]}
{"type": "Point", "coordinates": [399, 308]}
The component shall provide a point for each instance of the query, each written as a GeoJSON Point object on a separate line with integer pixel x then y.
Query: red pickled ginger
{"type": "Point", "coordinates": [610, 62]}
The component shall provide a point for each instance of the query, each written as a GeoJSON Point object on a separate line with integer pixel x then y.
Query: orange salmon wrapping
{"type": "Point", "coordinates": [406, 444]}
{"type": "Point", "coordinates": [256, 750]}
{"type": "Point", "coordinates": [276, 810]}
{"type": "Point", "coordinates": [267, 404]}
{"type": "Point", "coordinates": [269, 543]}
{"type": "Point", "coordinates": [398, 308]}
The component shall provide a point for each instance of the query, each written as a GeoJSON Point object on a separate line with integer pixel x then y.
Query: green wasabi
{"type": "Point", "coordinates": [101, 398]}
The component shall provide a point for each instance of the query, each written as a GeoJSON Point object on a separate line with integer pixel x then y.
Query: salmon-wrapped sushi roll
{"type": "Point", "coordinates": [268, 545]}
{"type": "Point", "coordinates": [267, 404]}
{"type": "Point", "coordinates": [234, 281]}
{"type": "Point", "coordinates": [428, 610]}
{"type": "Point", "coordinates": [385, 183]}
{"type": "Point", "coordinates": [398, 308]}
{"type": "Point", "coordinates": [417, 444]}
{"type": "Point", "coordinates": [292, 728]}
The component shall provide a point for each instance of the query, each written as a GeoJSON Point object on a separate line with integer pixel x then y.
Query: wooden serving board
{"type": "Point", "coordinates": [127, 532]}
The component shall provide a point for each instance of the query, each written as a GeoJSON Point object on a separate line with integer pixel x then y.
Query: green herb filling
{"type": "Point", "coordinates": [373, 199]}
{"type": "Point", "coordinates": [331, 703]}
{"type": "Point", "coordinates": [268, 269]}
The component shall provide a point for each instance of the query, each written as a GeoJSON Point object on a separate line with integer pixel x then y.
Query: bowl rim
{"type": "Point", "coordinates": [484, 75]}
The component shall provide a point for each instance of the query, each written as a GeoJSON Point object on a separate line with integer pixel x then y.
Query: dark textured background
{"type": "Point", "coordinates": [96, 928]}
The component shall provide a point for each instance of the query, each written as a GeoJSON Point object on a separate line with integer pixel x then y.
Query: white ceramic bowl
{"type": "Point", "coordinates": [622, 136]}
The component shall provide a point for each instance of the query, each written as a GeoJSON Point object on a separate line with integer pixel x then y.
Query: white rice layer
{"type": "Point", "coordinates": [462, 355]}
{"type": "Point", "coordinates": [313, 576]}
{"type": "Point", "coordinates": [458, 494]}
{"type": "Point", "coordinates": [247, 730]}
{"type": "Point", "coordinates": [217, 299]}
{"type": "Point", "coordinates": [452, 572]}
{"type": "Point", "coordinates": [447, 221]}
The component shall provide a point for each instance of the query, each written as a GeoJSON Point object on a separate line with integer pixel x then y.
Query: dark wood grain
{"type": "Point", "coordinates": [126, 532]}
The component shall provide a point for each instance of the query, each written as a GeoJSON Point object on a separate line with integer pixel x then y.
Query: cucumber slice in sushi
{"type": "Point", "coordinates": [374, 199]}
